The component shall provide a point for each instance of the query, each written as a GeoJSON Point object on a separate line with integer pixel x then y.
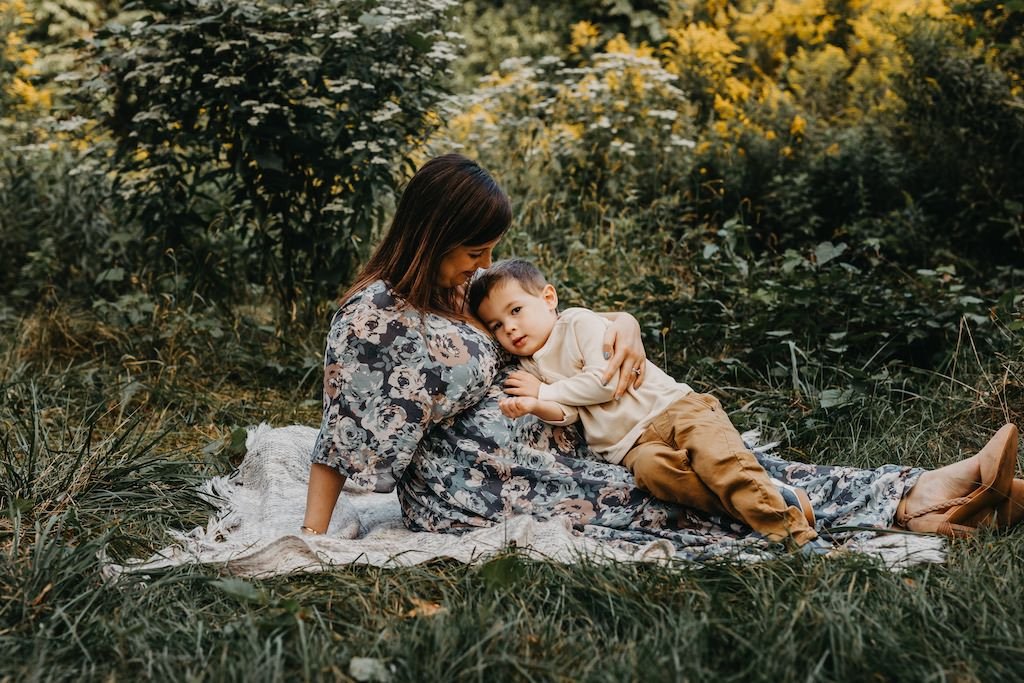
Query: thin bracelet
{"type": "Point", "coordinates": [307, 530]}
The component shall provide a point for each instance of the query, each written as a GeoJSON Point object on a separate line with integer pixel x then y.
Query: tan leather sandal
{"type": "Point", "coordinates": [962, 516]}
{"type": "Point", "coordinates": [1010, 512]}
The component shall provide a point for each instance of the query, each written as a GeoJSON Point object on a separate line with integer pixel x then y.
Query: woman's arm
{"type": "Point", "coordinates": [624, 348]}
{"type": "Point", "coordinates": [325, 484]}
{"type": "Point", "coordinates": [376, 407]}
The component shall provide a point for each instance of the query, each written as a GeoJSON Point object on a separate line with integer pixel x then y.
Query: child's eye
{"type": "Point", "coordinates": [516, 309]}
{"type": "Point", "coordinates": [495, 326]}
{"type": "Point", "coordinates": [476, 255]}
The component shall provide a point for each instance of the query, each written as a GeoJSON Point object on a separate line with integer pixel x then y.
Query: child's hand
{"type": "Point", "coordinates": [517, 406]}
{"type": "Point", "coordinates": [522, 383]}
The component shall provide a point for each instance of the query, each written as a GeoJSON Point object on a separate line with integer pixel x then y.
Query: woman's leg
{"type": "Point", "coordinates": [325, 484]}
{"type": "Point", "coordinates": [846, 496]}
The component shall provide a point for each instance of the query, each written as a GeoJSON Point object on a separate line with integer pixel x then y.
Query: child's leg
{"type": "Point", "coordinates": [665, 473]}
{"type": "Point", "coordinates": [719, 457]}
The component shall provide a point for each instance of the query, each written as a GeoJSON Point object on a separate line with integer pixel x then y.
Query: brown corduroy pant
{"type": "Point", "coordinates": [693, 455]}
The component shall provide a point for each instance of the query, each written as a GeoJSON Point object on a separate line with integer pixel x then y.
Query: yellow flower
{"type": "Point", "coordinates": [770, 28]}
{"type": "Point", "coordinates": [737, 90]}
{"type": "Point", "coordinates": [703, 50]}
{"type": "Point", "coordinates": [573, 131]}
{"type": "Point", "coordinates": [798, 126]}
{"type": "Point", "coordinates": [29, 95]}
{"type": "Point", "coordinates": [724, 108]}
{"type": "Point", "coordinates": [620, 46]}
{"type": "Point", "coordinates": [817, 71]}
{"type": "Point", "coordinates": [584, 35]}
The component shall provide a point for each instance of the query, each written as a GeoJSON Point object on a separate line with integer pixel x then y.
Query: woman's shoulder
{"type": "Point", "coordinates": [378, 302]}
{"type": "Point", "coordinates": [376, 293]}
{"type": "Point", "coordinates": [375, 298]}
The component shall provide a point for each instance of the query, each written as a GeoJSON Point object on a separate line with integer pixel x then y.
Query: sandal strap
{"type": "Point", "coordinates": [944, 505]}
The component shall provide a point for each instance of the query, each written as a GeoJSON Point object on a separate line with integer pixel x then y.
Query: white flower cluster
{"type": "Point", "coordinates": [371, 146]}
{"type": "Point", "coordinates": [389, 15]}
{"type": "Point", "coordinates": [627, 148]}
{"type": "Point", "coordinates": [386, 112]}
{"type": "Point", "coordinates": [344, 85]}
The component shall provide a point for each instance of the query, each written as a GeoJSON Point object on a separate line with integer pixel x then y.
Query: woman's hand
{"type": "Point", "coordinates": [624, 349]}
{"type": "Point", "coordinates": [522, 383]}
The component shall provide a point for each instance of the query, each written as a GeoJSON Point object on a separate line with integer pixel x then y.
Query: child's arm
{"type": "Point", "coordinates": [585, 387]}
{"type": "Point", "coordinates": [549, 411]}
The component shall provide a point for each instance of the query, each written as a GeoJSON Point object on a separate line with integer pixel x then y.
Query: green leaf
{"type": "Point", "coordinates": [826, 251]}
{"type": "Point", "coordinates": [420, 42]}
{"type": "Point", "coordinates": [236, 444]}
{"type": "Point", "coordinates": [502, 572]}
{"type": "Point", "coordinates": [372, 20]}
{"type": "Point", "coordinates": [115, 274]}
{"type": "Point", "coordinates": [834, 398]}
{"type": "Point", "coordinates": [239, 589]}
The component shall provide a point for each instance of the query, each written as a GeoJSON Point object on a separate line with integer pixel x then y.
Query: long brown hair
{"type": "Point", "coordinates": [451, 201]}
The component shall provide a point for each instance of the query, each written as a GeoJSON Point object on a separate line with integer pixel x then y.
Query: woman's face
{"type": "Point", "coordinates": [459, 264]}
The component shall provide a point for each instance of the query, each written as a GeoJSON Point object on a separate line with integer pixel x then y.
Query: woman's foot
{"type": "Point", "coordinates": [956, 499]}
{"type": "Point", "coordinates": [946, 483]}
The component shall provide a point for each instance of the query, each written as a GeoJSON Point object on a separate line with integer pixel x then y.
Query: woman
{"type": "Point", "coordinates": [411, 389]}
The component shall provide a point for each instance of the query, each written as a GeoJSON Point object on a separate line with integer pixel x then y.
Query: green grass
{"type": "Point", "coordinates": [85, 476]}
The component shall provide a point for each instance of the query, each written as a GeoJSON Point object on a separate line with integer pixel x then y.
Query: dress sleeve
{"type": "Point", "coordinates": [391, 375]}
{"type": "Point", "coordinates": [378, 394]}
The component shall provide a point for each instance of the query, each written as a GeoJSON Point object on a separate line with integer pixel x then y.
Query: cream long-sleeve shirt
{"type": "Point", "coordinates": [570, 365]}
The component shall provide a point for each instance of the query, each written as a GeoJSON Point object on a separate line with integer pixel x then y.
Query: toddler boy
{"type": "Point", "coordinates": [680, 445]}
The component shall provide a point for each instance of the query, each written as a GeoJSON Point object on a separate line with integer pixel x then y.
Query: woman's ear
{"type": "Point", "coordinates": [550, 297]}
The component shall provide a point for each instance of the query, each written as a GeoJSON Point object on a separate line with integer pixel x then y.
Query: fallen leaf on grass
{"type": "Point", "coordinates": [423, 608]}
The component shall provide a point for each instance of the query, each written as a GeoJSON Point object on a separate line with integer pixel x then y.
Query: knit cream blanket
{"type": "Point", "coordinates": [254, 530]}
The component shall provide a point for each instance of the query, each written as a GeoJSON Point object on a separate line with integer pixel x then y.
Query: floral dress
{"type": "Point", "coordinates": [411, 403]}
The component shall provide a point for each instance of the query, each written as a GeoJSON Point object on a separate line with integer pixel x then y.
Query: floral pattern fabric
{"type": "Point", "coordinates": [411, 403]}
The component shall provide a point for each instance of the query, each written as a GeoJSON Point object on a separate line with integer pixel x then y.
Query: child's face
{"type": "Point", "coordinates": [520, 321]}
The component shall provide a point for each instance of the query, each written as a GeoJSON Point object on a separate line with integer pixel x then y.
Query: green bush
{"type": "Point", "coordinates": [498, 29]}
{"type": "Point", "coordinates": [597, 159]}
{"type": "Point", "coordinates": [56, 230]}
{"type": "Point", "coordinates": [843, 306]}
{"type": "Point", "coordinates": [963, 136]}
{"type": "Point", "coordinates": [262, 139]}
